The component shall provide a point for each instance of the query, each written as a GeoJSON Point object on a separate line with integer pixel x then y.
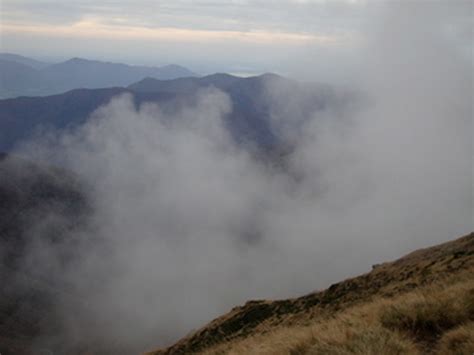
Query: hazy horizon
{"type": "Point", "coordinates": [56, 60]}
{"type": "Point", "coordinates": [245, 36]}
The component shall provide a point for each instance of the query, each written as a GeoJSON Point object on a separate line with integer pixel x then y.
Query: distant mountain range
{"type": "Point", "coordinates": [21, 76]}
{"type": "Point", "coordinates": [255, 106]}
{"type": "Point", "coordinates": [33, 63]}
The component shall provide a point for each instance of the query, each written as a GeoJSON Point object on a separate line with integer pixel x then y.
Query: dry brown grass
{"type": "Point", "coordinates": [417, 322]}
{"type": "Point", "coordinates": [347, 334]}
{"type": "Point", "coordinates": [369, 341]}
{"type": "Point", "coordinates": [459, 341]}
{"type": "Point", "coordinates": [426, 315]}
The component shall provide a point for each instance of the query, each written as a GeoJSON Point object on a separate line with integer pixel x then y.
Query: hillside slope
{"type": "Point", "coordinates": [415, 304]}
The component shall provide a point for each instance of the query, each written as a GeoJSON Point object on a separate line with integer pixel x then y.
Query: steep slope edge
{"type": "Point", "coordinates": [444, 263]}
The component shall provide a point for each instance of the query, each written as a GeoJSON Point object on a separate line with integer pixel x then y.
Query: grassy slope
{"type": "Point", "coordinates": [421, 303]}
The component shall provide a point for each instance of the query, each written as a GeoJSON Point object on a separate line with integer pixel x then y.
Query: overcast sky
{"type": "Point", "coordinates": [205, 35]}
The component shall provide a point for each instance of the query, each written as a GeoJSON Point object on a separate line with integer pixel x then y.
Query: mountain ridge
{"type": "Point", "coordinates": [33, 63]}
{"type": "Point", "coordinates": [40, 79]}
{"type": "Point", "coordinates": [251, 120]}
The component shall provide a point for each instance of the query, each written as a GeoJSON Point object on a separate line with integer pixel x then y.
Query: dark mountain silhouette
{"type": "Point", "coordinates": [21, 117]}
{"type": "Point", "coordinates": [33, 78]}
{"type": "Point", "coordinates": [259, 102]}
{"type": "Point", "coordinates": [255, 105]}
{"type": "Point", "coordinates": [184, 85]}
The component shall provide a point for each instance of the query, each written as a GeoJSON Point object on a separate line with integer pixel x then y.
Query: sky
{"type": "Point", "coordinates": [238, 36]}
